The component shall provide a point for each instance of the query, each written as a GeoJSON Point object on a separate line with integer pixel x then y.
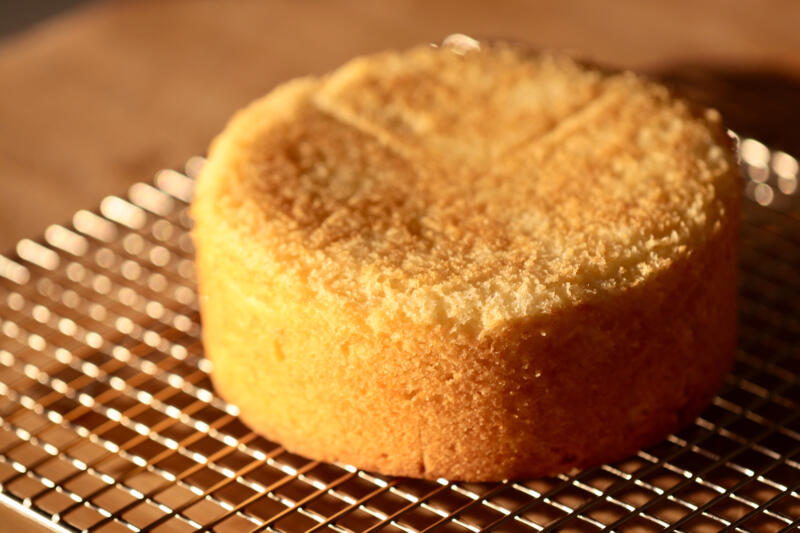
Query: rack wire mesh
{"type": "Point", "coordinates": [108, 420]}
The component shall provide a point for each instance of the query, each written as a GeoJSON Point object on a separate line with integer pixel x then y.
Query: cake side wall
{"type": "Point", "coordinates": [543, 395]}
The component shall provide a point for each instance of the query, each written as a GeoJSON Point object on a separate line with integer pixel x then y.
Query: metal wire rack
{"type": "Point", "coordinates": [108, 420]}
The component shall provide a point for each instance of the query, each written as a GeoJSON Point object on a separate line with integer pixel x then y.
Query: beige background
{"type": "Point", "coordinates": [106, 95]}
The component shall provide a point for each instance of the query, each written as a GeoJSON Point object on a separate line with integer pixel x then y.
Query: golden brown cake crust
{"type": "Point", "coordinates": [478, 266]}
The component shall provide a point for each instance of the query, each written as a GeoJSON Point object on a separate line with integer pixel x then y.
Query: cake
{"type": "Point", "coordinates": [477, 263]}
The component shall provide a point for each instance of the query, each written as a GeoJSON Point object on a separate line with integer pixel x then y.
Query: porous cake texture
{"type": "Point", "coordinates": [472, 264]}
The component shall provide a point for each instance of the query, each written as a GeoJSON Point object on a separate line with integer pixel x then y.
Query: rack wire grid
{"type": "Point", "coordinates": [108, 420]}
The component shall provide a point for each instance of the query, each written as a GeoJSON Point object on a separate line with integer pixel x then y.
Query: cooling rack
{"type": "Point", "coordinates": [108, 420]}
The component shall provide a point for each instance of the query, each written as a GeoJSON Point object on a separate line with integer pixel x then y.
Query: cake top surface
{"type": "Point", "coordinates": [469, 188]}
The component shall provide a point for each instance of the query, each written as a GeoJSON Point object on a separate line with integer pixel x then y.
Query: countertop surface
{"type": "Point", "coordinates": [102, 96]}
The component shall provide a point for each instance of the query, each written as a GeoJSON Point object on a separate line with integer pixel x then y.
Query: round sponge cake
{"type": "Point", "coordinates": [472, 264]}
